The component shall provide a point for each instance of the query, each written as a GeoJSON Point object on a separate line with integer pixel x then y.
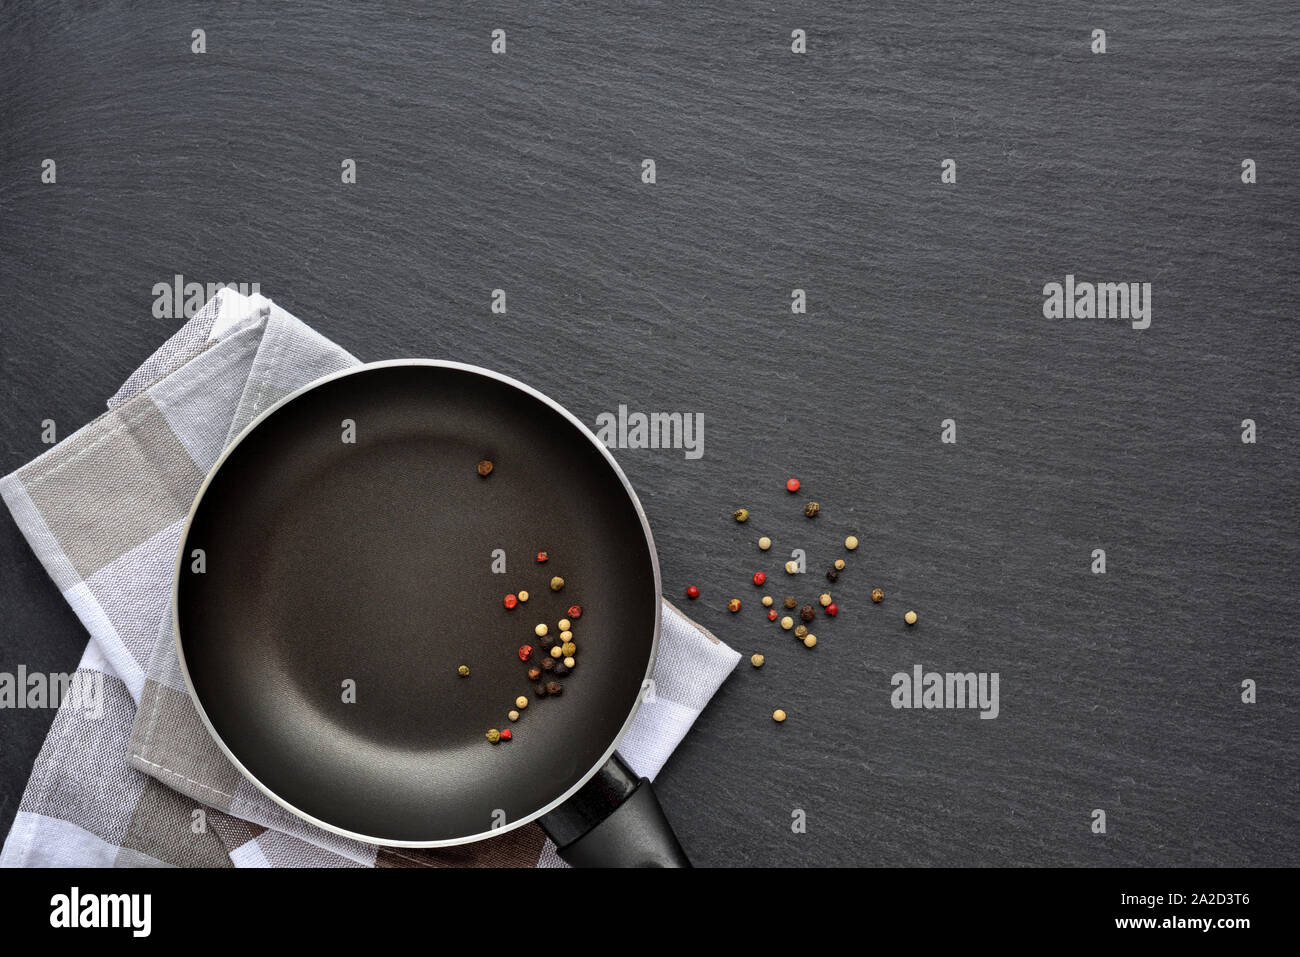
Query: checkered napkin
{"type": "Point", "coordinates": [138, 781]}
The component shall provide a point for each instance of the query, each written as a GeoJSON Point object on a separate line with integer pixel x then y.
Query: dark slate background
{"type": "Point", "coordinates": [775, 171]}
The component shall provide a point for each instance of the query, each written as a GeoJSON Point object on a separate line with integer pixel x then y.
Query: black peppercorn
{"type": "Point", "coordinates": [534, 673]}
{"type": "Point", "coordinates": [561, 669]}
{"type": "Point", "coordinates": [548, 664]}
{"type": "Point", "coordinates": [807, 613]}
{"type": "Point", "coordinates": [832, 576]}
{"type": "Point", "coordinates": [539, 689]}
{"type": "Point", "coordinates": [554, 688]}
{"type": "Point", "coordinates": [789, 601]}
{"type": "Point", "coordinates": [811, 509]}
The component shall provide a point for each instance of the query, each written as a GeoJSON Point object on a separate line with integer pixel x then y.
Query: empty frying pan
{"type": "Point", "coordinates": [354, 559]}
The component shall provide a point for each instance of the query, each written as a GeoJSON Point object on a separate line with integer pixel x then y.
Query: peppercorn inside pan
{"type": "Point", "coordinates": [346, 582]}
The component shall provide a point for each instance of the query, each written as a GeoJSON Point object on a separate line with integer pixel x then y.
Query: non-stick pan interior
{"type": "Point", "coordinates": [369, 564]}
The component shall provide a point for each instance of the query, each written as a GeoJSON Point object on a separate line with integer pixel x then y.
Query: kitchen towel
{"type": "Point", "coordinates": [128, 775]}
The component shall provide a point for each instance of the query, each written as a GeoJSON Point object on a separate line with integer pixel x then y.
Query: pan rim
{"type": "Point", "coordinates": [498, 377]}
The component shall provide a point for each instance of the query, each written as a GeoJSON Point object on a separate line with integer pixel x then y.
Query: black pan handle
{"type": "Point", "coordinates": [614, 820]}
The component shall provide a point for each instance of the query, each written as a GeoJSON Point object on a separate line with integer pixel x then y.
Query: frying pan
{"type": "Point", "coordinates": [353, 559]}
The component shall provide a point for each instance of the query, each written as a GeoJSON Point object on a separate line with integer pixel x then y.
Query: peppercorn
{"type": "Point", "coordinates": [541, 630]}
{"type": "Point", "coordinates": [539, 689]}
{"type": "Point", "coordinates": [485, 468]}
{"type": "Point", "coordinates": [757, 660]}
{"type": "Point", "coordinates": [811, 509]}
{"type": "Point", "coordinates": [570, 662]}
{"type": "Point", "coordinates": [521, 702]}
{"type": "Point", "coordinates": [566, 636]}
{"type": "Point", "coordinates": [692, 592]}
{"type": "Point", "coordinates": [825, 599]}
{"type": "Point", "coordinates": [548, 663]}
{"type": "Point", "coordinates": [554, 688]}
{"type": "Point", "coordinates": [778, 715]}
{"type": "Point", "coordinates": [851, 542]}
{"type": "Point", "coordinates": [792, 485]}
{"type": "Point", "coordinates": [910, 618]}
{"type": "Point", "coordinates": [800, 631]}
{"type": "Point", "coordinates": [542, 558]}
{"type": "Point", "coordinates": [764, 543]}
{"type": "Point", "coordinates": [506, 734]}
{"type": "Point", "coordinates": [557, 583]}
{"type": "Point", "coordinates": [512, 714]}
{"type": "Point", "coordinates": [534, 673]}
{"type": "Point", "coordinates": [511, 601]}
{"type": "Point", "coordinates": [525, 652]}
{"type": "Point", "coordinates": [791, 567]}
{"type": "Point", "coordinates": [807, 613]}
{"type": "Point", "coordinates": [839, 564]}
{"type": "Point", "coordinates": [575, 612]}
{"type": "Point", "coordinates": [771, 614]}
{"type": "Point", "coordinates": [561, 669]}
{"type": "Point", "coordinates": [494, 735]}
{"type": "Point", "coordinates": [787, 622]}
{"type": "Point", "coordinates": [832, 609]}
{"type": "Point", "coordinates": [557, 652]}
{"type": "Point", "coordinates": [877, 595]}
{"type": "Point", "coordinates": [789, 601]}
{"type": "Point", "coordinates": [733, 606]}
{"type": "Point", "coordinates": [759, 579]}
{"type": "Point", "coordinates": [564, 624]}
{"type": "Point", "coordinates": [463, 671]}
{"type": "Point", "coordinates": [810, 641]}
{"type": "Point", "coordinates": [523, 595]}
{"type": "Point", "coordinates": [767, 601]}
{"type": "Point", "coordinates": [832, 576]}
{"type": "Point", "coordinates": [569, 649]}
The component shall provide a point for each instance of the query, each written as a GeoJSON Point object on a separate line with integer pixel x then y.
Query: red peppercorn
{"type": "Point", "coordinates": [692, 592]}
{"type": "Point", "coordinates": [771, 614]}
{"type": "Point", "coordinates": [832, 609]}
{"type": "Point", "coordinates": [525, 652]}
{"type": "Point", "coordinates": [792, 485]}
{"type": "Point", "coordinates": [511, 601]}
{"type": "Point", "coordinates": [759, 578]}
{"type": "Point", "coordinates": [575, 612]}
{"type": "Point", "coordinates": [542, 557]}
{"type": "Point", "coordinates": [505, 734]}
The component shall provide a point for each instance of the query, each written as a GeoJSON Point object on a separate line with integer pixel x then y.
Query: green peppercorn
{"type": "Point", "coordinates": [569, 649]}
{"type": "Point", "coordinates": [557, 583]}
{"type": "Point", "coordinates": [741, 515]}
{"type": "Point", "coordinates": [800, 631]}
{"type": "Point", "coordinates": [463, 671]}
{"type": "Point", "coordinates": [494, 735]}
{"type": "Point", "coordinates": [811, 509]}
{"type": "Point", "coordinates": [790, 602]}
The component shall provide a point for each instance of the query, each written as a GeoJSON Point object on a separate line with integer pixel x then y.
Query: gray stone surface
{"type": "Point", "coordinates": [775, 171]}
